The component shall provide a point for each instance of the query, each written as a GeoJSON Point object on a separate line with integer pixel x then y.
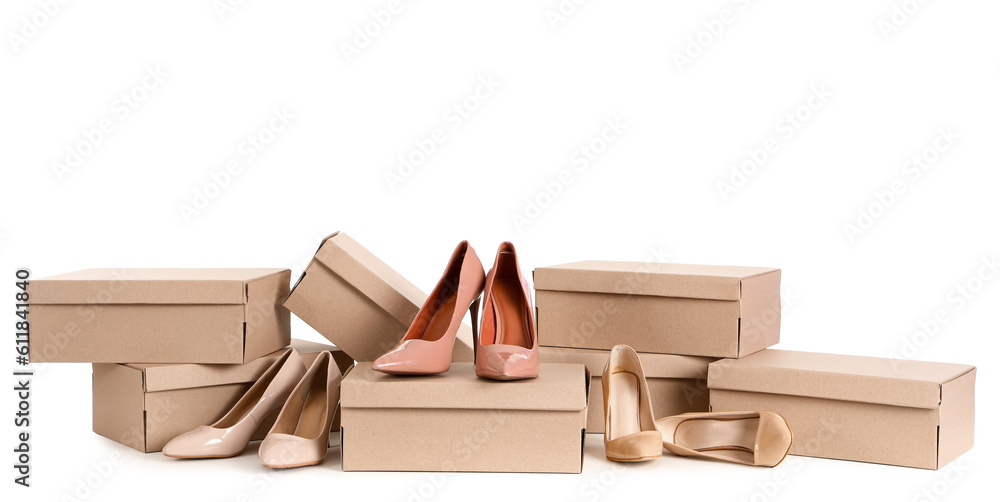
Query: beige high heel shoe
{"type": "Point", "coordinates": [231, 434]}
{"type": "Point", "coordinates": [426, 347]}
{"type": "Point", "coordinates": [630, 433]}
{"type": "Point", "coordinates": [301, 434]}
{"type": "Point", "coordinates": [507, 345]}
{"type": "Point", "coordinates": [760, 438]}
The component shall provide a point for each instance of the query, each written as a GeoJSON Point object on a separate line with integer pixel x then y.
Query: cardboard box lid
{"type": "Point", "coordinates": [149, 286]}
{"type": "Point", "coordinates": [161, 377]}
{"type": "Point", "coordinates": [370, 275]}
{"type": "Point", "coordinates": [709, 282]}
{"type": "Point", "coordinates": [913, 384]}
{"type": "Point", "coordinates": [653, 365]}
{"type": "Point", "coordinates": [559, 387]}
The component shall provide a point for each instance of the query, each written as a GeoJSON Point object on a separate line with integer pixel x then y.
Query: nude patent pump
{"type": "Point", "coordinates": [507, 345]}
{"type": "Point", "coordinates": [301, 434]}
{"type": "Point", "coordinates": [231, 434]}
{"type": "Point", "coordinates": [750, 438]}
{"type": "Point", "coordinates": [630, 433]}
{"type": "Point", "coordinates": [427, 345]}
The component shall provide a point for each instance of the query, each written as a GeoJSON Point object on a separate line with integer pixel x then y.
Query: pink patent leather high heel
{"type": "Point", "coordinates": [507, 346]}
{"type": "Point", "coordinates": [427, 345]}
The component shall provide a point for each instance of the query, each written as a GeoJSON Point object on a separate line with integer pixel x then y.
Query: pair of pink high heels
{"type": "Point", "coordinates": [506, 345]}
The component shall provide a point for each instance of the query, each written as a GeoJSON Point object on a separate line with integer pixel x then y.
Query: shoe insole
{"type": "Point", "coordinates": [731, 438]}
{"type": "Point", "coordinates": [511, 313]}
{"type": "Point", "coordinates": [252, 396]}
{"type": "Point", "coordinates": [440, 320]}
{"type": "Point", "coordinates": [623, 402]}
{"type": "Point", "coordinates": [312, 420]}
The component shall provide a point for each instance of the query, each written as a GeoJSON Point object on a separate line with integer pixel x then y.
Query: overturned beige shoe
{"type": "Point", "coordinates": [760, 438]}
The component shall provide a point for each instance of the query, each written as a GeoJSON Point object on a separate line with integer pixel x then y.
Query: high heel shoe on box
{"type": "Point", "coordinates": [630, 433]}
{"type": "Point", "coordinates": [427, 345]}
{"type": "Point", "coordinates": [750, 438]}
{"type": "Point", "coordinates": [507, 345]}
{"type": "Point", "coordinates": [231, 434]}
{"type": "Point", "coordinates": [301, 434]}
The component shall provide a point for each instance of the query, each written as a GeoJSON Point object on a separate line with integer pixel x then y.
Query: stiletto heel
{"type": "Point", "coordinates": [427, 345]}
{"type": "Point", "coordinates": [474, 311]}
{"type": "Point", "coordinates": [507, 348]}
{"type": "Point", "coordinates": [630, 433]}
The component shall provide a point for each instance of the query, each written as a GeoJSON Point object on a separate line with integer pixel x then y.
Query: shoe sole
{"type": "Point", "coordinates": [196, 457]}
{"type": "Point", "coordinates": [636, 459]}
{"type": "Point", "coordinates": [290, 466]}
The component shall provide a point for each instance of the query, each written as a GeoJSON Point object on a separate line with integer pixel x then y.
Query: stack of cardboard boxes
{"type": "Point", "coordinates": [171, 349]}
{"type": "Point", "coordinates": [174, 349]}
{"type": "Point", "coordinates": [692, 322]}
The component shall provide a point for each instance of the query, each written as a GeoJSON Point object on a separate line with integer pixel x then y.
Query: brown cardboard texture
{"type": "Point", "coordinates": [886, 411]}
{"type": "Point", "coordinates": [677, 384]}
{"type": "Point", "coordinates": [358, 302]}
{"type": "Point", "coordinates": [159, 315]}
{"type": "Point", "coordinates": [457, 422]}
{"type": "Point", "coordinates": [664, 308]}
{"type": "Point", "coordinates": [145, 405]}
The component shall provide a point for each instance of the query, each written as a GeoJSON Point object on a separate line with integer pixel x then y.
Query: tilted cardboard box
{"type": "Point", "coordinates": [663, 308]}
{"type": "Point", "coordinates": [145, 405]}
{"type": "Point", "coordinates": [886, 411]}
{"type": "Point", "coordinates": [159, 315]}
{"type": "Point", "coordinates": [677, 384]}
{"type": "Point", "coordinates": [457, 422]}
{"type": "Point", "coordinates": [358, 302]}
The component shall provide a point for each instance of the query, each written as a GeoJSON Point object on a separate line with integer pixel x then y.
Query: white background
{"type": "Point", "coordinates": [653, 193]}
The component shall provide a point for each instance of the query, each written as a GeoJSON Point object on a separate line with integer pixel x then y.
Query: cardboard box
{"type": "Point", "coordinates": [143, 406]}
{"type": "Point", "coordinates": [664, 308]}
{"type": "Point", "coordinates": [457, 422]}
{"type": "Point", "coordinates": [886, 411]}
{"type": "Point", "coordinates": [359, 303]}
{"type": "Point", "coordinates": [159, 315]}
{"type": "Point", "coordinates": [677, 384]}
